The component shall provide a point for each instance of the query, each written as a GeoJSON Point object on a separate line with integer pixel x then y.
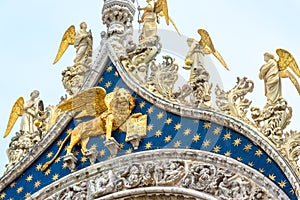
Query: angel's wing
{"type": "Point", "coordinates": [68, 39]}
{"type": "Point", "coordinates": [173, 23]}
{"type": "Point", "coordinates": [205, 42]}
{"type": "Point", "coordinates": [288, 74]}
{"type": "Point", "coordinates": [161, 7]}
{"type": "Point", "coordinates": [16, 111]}
{"type": "Point", "coordinates": [208, 47]}
{"type": "Point", "coordinates": [87, 103]}
{"type": "Point", "coordinates": [286, 60]}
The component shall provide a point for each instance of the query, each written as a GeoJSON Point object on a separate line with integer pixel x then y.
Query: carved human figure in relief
{"type": "Point", "coordinates": [83, 44]}
{"type": "Point", "coordinates": [269, 72]}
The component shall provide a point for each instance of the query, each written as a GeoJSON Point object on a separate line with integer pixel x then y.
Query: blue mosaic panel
{"type": "Point", "coordinates": [164, 130]}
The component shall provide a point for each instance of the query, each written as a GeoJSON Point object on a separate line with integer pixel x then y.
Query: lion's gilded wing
{"type": "Point", "coordinates": [68, 39]}
{"type": "Point", "coordinates": [207, 45]}
{"type": "Point", "coordinates": [16, 111]}
{"type": "Point", "coordinates": [87, 103]}
{"type": "Point", "coordinates": [286, 60]}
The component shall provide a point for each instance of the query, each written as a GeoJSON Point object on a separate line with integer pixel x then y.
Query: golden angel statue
{"type": "Point", "coordinates": [28, 110]}
{"type": "Point", "coordinates": [82, 41]}
{"type": "Point", "coordinates": [204, 46]}
{"type": "Point", "coordinates": [272, 72]}
{"type": "Point", "coordinates": [150, 17]}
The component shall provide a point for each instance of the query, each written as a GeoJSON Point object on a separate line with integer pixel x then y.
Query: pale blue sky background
{"type": "Point", "coordinates": [241, 31]}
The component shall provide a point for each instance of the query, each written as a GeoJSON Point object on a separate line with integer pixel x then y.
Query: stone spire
{"type": "Point", "coordinates": [118, 16]}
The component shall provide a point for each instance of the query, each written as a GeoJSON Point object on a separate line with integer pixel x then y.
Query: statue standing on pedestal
{"type": "Point", "coordinates": [198, 86]}
{"type": "Point", "coordinates": [82, 40]}
{"type": "Point", "coordinates": [276, 114]}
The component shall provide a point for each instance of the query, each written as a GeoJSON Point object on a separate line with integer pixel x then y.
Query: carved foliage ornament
{"type": "Point", "coordinates": [234, 102]}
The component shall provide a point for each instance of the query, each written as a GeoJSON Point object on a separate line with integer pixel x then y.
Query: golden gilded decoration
{"type": "Point", "coordinates": [136, 124]}
{"type": "Point", "coordinates": [68, 39]}
{"type": "Point", "coordinates": [285, 61]}
{"type": "Point", "coordinates": [152, 11]}
{"type": "Point", "coordinates": [111, 111]}
{"type": "Point", "coordinates": [82, 40]}
{"type": "Point", "coordinates": [87, 103]}
{"type": "Point", "coordinates": [35, 123]}
{"type": "Point", "coordinates": [16, 111]}
{"type": "Point", "coordinates": [208, 47]}
{"type": "Point", "coordinates": [161, 7]}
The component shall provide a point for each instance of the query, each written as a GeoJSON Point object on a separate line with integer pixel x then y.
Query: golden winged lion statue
{"type": "Point", "coordinates": [111, 111]}
{"type": "Point", "coordinates": [82, 41]}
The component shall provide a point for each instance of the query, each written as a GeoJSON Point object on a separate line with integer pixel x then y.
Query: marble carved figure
{"type": "Point", "coordinates": [82, 40]}
{"type": "Point", "coordinates": [198, 87]}
{"type": "Point", "coordinates": [35, 123]}
{"type": "Point", "coordinates": [272, 72]}
{"type": "Point", "coordinates": [150, 17]}
{"type": "Point", "coordinates": [276, 114]}
{"type": "Point", "coordinates": [27, 110]}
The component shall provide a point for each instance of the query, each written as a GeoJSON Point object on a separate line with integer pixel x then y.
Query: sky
{"type": "Point", "coordinates": [242, 31]}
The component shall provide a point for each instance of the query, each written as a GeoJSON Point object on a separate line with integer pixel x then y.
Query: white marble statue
{"type": "Point", "coordinates": [30, 112]}
{"type": "Point", "coordinates": [83, 45]}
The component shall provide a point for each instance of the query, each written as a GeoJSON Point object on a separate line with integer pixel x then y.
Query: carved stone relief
{"type": "Point", "coordinates": [207, 178]}
{"type": "Point", "coordinates": [183, 172]}
{"type": "Point", "coordinates": [74, 192]}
